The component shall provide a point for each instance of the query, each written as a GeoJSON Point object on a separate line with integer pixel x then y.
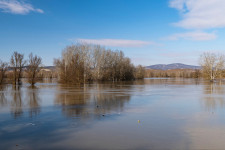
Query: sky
{"type": "Point", "coordinates": [147, 31]}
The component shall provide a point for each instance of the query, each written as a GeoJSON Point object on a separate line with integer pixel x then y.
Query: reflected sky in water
{"type": "Point", "coordinates": [144, 114]}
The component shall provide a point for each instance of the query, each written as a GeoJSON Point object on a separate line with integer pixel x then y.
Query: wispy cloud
{"type": "Point", "coordinates": [17, 7]}
{"type": "Point", "coordinates": [195, 36]}
{"type": "Point", "coordinates": [116, 42]}
{"type": "Point", "coordinates": [200, 14]}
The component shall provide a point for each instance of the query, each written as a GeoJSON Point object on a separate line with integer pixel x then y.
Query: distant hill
{"type": "Point", "coordinates": [49, 67]}
{"type": "Point", "coordinates": [44, 67]}
{"type": "Point", "coordinates": [172, 66]}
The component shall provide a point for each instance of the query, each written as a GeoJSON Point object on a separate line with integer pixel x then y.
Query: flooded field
{"type": "Point", "coordinates": [145, 114]}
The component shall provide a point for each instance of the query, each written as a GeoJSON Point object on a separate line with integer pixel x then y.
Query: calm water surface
{"type": "Point", "coordinates": [146, 114]}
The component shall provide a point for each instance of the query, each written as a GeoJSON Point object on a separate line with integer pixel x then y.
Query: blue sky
{"type": "Point", "coordinates": [148, 31]}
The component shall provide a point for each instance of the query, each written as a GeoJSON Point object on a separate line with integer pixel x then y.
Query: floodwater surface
{"type": "Point", "coordinates": [145, 114]}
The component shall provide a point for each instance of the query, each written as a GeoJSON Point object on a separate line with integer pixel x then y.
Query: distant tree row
{"type": "Point", "coordinates": [82, 63]}
{"type": "Point", "coordinates": [175, 73]}
{"type": "Point", "coordinates": [212, 67]}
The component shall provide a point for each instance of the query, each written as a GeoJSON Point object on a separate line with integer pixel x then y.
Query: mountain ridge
{"type": "Point", "coordinates": [172, 66]}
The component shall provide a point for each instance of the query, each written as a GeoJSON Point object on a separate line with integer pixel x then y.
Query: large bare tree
{"type": "Point", "coordinates": [212, 65]}
{"type": "Point", "coordinates": [33, 68]}
{"type": "Point", "coordinates": [17, 62]}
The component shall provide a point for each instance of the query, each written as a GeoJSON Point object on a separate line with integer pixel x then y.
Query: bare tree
{"type": "Point", "coordinates": [212, 65]}
{"type": "Point", "coordinates": [33, 68]}
{"type": "Point", "coordinates": [3, 69]}
{"type": "Point", "coordinates": [139, 72]}
{"type": "Point", "coordinates": [71, 66]}
{"type": "Point", "coordinates": [17, 62]}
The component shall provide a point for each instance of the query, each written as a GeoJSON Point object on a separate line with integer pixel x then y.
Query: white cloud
{"type": "Point", "coordinates": [116, 42]}
{"type": "Point", "coordinates": [200, 14]}
{"type": "Point", "coordinates": [196, 36]}
{"type": "Point", "coordinates": [178, 4]}
{"type": "Point", "coordinates": [17, 7]}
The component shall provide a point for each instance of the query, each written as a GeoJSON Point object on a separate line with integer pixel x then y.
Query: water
{"type": "Point", "coordinates": [145, 114]}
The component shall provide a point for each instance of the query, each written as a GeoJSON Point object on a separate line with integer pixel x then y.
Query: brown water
{"type": "Point", "coordinates": [145, 114]}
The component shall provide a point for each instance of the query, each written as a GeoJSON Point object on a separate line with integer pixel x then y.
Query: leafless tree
{"type": "Point", "coordinates": [3, 69]}
{"type": "Point", "coordinates": [111, 65]}
{"type": "Point", "coordinates": [17, 62]}
{"type": "Point", "coordinates": [71, 66]}
{"type": "Point", "coordinates": [33, 68]}
{"type": "Point", "coordinates": [139, 72]}
{"type": "Point", "coordinates": [212, 65]}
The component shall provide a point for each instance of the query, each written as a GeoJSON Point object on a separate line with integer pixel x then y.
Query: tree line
{"type": "Point", "coordinates": [212, 68]}
{"type": "Point", "coordinates": [175, 73]}
{"type": "Point", "coordinates": [79, 64]}
{"type": "Point", "coordinates": [83, 63]}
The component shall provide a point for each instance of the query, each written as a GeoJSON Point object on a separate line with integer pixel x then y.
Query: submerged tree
{"type": "Point", "coordinates": [33, 68]}
{"type": "Point", "coordinates": [71, 66]}
{"type": "Point", "coordinates": [212, 65]}
{"type": "Point", "coordinates": [17, 62]}
{"type": "Point", "coordinates": [3, 69]}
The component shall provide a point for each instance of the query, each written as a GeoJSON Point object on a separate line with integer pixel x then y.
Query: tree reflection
{"type": "Point", "coordinates": [213, 95]}
{"type": "Point", "coordinates": [3, 100]}
{"type": "Point", "coordinates": [92, 101]}
{"type": "Point", "coordinates": [33, 101]}
{"type": "Point", "coordinates": [172, 81]}
{"type": "Point", "coordinates": [16, 104]}
{"type": "Point", "coordinates": [111, 98]}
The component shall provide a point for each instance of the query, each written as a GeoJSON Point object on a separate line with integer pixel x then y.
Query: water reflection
{"type": "Point", "coordinates": [172, 81]}
{"type": "Point", "coordinates": [19, 99]}
{"type": "Point", "coordinates": [105, 115]}
{"type": "Point", "coordinates": [213, 95]}
{"type": "Point", "coordinates": [71, 96]}
{"type": "Point", "coordinates": [3, 100]}
{"type": "Point", "coordinates": [92, 100]}
{"type": "Point", "coordinates": [16, 103]}
{"type": "Point", "coordinates": [33, 101]}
